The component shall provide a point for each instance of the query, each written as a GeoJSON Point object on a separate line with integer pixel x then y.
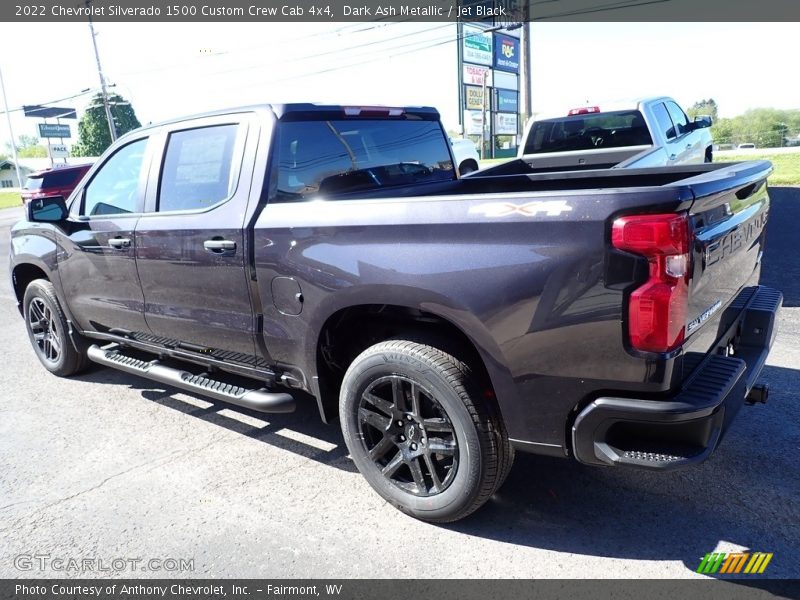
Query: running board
{"type": "Point", "coordinates": [261, 400]}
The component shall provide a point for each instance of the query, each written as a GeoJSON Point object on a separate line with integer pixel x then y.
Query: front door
{"type": "Point", "coordinates": [97, 257]}
{"type": "Point", "coordinates": [190, 246]}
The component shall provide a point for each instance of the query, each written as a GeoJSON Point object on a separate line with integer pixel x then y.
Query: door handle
{"type": "Point", "coordinates": [673, 156]}
{"type": "Point", "coordinates": [119, 243]}
{"type": "Point", "coordinates": [219, 246]}
{"type": "Point", "coordinates": [688, 146]}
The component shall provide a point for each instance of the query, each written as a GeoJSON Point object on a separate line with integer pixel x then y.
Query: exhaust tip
{"type": "Point", "coordinates": [758, 394]}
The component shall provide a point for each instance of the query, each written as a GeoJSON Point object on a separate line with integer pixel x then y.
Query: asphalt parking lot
{"type": "Point", "coordinates": [107, 466]}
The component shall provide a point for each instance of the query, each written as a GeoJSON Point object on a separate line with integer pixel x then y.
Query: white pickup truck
{"type": "Point", "coordinates": [643, 133]}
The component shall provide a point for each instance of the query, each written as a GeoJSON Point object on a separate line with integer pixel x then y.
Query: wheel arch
{"type": "Point", "coordinates": [338, 342]}
{"type": "Point", "coordinates": [21, 276]}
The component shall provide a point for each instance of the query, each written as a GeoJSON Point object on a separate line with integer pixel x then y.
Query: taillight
{"type": "Point", "coordinates": [373, 111]}
{"type": "Point", "coordinates": [585, 110]}
{"type": "Point", "coordinates": [658, 309]}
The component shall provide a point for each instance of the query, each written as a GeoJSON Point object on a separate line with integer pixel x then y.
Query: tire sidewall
{"type": "Point", "coordinates": [464, 486]}
{"type": "Point", "coordinates": [36, 290]}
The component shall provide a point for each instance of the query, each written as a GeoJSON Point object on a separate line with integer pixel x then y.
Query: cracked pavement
{"type": "Point", "coordinates": [107, 466]}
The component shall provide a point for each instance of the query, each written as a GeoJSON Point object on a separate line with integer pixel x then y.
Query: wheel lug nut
{"type": "Point", "coordinates": [413, 446]}
{"type": "Point", "coordinates": [402, 438]}
{"type": "Point", "coordinates": [400, 423]}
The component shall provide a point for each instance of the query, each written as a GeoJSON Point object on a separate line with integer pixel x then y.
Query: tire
{"type": "Point", "coordinates": [400, 402]}
{"type": "Point", "coordinates": [467, 167]}
{"type": "Point", "coordinates": [61, 353]}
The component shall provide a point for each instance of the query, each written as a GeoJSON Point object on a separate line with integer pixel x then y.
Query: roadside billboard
{"type": "Point", "coordinates": [505, 124]}
{"type": "Point", "coordinates": [473, 97]}
{"type": "Point", "coordinates": [506, 101]}
{"type": "Point", "coordinates": [506, 53]}
{"type": "Point", "coordinates": [475, 75]}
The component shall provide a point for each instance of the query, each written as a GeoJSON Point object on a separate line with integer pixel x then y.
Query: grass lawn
{"type": "Point", "coordinates": [787, 166]}
{"type": "Point", "coordinates": [8, 199]}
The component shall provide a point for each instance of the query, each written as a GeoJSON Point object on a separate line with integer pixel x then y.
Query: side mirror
{"type": "Point", "coordinates": [702, 121]}
{"type": "Point", "coordinates": [50, 209]}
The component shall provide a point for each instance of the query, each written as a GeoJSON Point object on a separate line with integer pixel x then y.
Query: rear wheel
{"type": "Point", "coordinates": [60, 352]}
{"type": "Point", "coordinates": [420, 431]}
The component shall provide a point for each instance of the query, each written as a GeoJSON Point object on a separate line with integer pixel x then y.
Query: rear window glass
{"type": "Point", "coordinates": [587, 132]}
{"type": "Point", "coordinates": [54, 179]}
{"type": "Point", "coordinates": [33, 183]}
{"type": "Point", "coordinates": [317, 158]}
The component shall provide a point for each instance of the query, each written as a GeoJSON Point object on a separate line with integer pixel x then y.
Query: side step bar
{"type": "Point", "coordinates": [261, 400]}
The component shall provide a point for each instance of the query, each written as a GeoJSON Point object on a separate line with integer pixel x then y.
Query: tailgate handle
{"type": "Point", "coordinates": [747, 190]}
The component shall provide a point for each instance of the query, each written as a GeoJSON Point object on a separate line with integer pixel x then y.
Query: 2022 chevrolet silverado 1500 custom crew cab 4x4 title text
{"type": "Point", "coordinates": [609, 316]}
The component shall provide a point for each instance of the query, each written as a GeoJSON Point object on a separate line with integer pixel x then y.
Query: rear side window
{"type": "Point", "coordinates": [615, 129]}
{"type": "Point", "coordinates": [198, 168]}
{"type": "Point", "coordinates": [341, 156]}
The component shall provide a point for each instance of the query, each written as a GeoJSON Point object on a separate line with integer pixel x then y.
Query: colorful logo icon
{"type": "Point", "coordinates": [507, 49]}
{"type": "Point", "coordinates": [730, 563]}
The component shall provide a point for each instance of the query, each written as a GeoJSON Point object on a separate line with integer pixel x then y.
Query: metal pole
{"type": "Point", "coordinates": [526, 86]}
{"type": "Point", "coordinates": [10, 130]}
{"type": "Point", "coordinates": [111, 127]}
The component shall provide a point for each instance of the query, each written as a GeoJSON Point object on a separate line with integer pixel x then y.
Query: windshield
{"type": "Point", "coordinates": [588, 131]}
{"type": "Point", "coordinates": [350, 155]}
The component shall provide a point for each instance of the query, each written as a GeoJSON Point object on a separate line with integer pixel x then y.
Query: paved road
{"type": "Point", "coordinates": [108, 466]}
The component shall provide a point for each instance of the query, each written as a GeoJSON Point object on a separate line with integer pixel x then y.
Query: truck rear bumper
{"type": "Point", "coordinates": [684, 429]}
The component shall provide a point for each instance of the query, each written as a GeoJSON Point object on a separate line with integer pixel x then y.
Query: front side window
{"type": "Point", "coordinates": [664, 121]}
{"type": "Point", "coordinates": [679, 118]}
{"type": "Point", "coordinates": [114, 189]}
{"type": "Point", "coordinates": [344, 156]}
{"type": "Point", "coordinates": [198, 168]}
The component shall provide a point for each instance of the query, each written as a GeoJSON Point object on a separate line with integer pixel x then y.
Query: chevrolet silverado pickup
{"type": "Point", "coordinates": [643, 133]}
{"type": "Point", "coordinates": [277, 254]}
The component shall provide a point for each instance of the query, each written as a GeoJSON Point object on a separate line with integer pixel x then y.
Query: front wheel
{"type": "Point", "coordinates": [60, 352]}
{"type": "Point", "coordinates": [420, 430]}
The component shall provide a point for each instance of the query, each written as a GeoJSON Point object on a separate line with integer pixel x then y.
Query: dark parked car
{"type": "Point", "coordinates": [53, 182]}
{"type": "Point", "coordinates": [262, 255]}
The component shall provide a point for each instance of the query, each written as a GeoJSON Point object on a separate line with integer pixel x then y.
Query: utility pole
{"type": "Point", "coordinates": [525, 83]}
{"type": "Point", "coordinates": [112, 129]}
{"type": "Point", "coordinates": [10, 130]}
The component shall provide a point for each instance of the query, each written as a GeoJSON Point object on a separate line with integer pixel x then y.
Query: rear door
{"type": "Point", "coordinates": [190, 246]}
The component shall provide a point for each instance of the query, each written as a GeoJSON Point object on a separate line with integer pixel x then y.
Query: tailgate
{"type": "Point", "coordinates": [728, 216]}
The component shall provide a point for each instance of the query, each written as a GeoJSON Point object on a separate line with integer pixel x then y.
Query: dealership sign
{"type": "Point", "coordinates": [477, 46]}
{"type": "Point", "coordinates": [48, 130]}
{"type": "Point", "coordinates": [475, 75]}
{"type": "Point", "coordinates": [506, 53]}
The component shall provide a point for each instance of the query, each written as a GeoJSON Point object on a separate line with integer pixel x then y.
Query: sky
{"type": "Point", "coordinates": [169, 70]}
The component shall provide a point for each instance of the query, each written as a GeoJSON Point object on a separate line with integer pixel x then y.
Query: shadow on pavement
{"type": "Point", "coordinates": [323, 443]}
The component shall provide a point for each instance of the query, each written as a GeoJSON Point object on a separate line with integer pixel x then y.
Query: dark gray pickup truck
{"type": "Point", "coordinates": [264, 255]}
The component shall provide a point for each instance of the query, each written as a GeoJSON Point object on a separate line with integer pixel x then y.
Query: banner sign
{"type": "Point", "coordinates": [473, 122]}
{"type": "Point", "coordinates": [477, 45]}
{"type": "Point", "coordinates": [506, 53]}
{"type": "Point", "coordinates": [475, 75]}
{"type": "Point", "coordinates": [505, 124]}
{"type": "Point", "coordinates": [473, 97]}
{"type": "Point", "coordinates": [506, 81]}
{"type": "Point", "coordinates": [507, 101]}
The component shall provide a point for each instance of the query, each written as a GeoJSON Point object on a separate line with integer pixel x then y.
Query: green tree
{"type": "Point", "coordinates": [28, 147]}
{"type": "Point", "coordinates": [703, 107]}
{"type": "Point", "coordinates": [93, 134]}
